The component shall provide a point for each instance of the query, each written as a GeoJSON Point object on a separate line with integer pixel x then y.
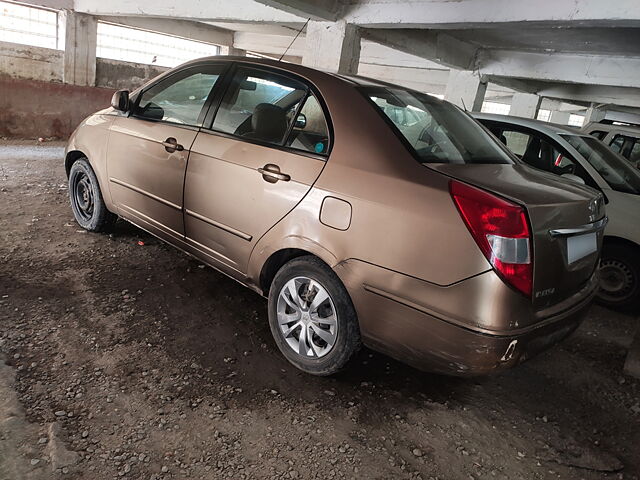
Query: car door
{"type": "Point", "coordinates": [266, 147]}
{"type": "Point", "coordinates": [148, 148]}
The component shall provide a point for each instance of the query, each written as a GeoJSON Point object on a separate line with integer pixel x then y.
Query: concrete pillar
{"type": "Point", "coordinates": [594, 114]}
{"type": "Point", "coordinates": [229, 50]}
{"type": "Point", "coordinates": [559, 117]}
{"type": "Point", "coordinates": [333, 46]}
{"type": "Point", "coordinates": [81, 31]}
{"type": "Point", "coordinates": [525, 105]}
{"type": "Point", "coordinates": [466, 90]}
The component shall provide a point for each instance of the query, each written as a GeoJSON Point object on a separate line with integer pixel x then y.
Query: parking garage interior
{"type": "Point", "coordinates": [123, 357]}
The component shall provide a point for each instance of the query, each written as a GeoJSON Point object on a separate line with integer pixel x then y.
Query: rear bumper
{"type": "Point", "coordinates": [431, 339]}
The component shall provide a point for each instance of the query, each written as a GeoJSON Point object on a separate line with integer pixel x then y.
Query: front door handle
{"type": "Point", "coordinates": [271, 173]}
{"type": "Point", "coordinates": [171, 145]}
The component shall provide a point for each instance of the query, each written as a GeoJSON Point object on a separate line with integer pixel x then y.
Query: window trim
{"type": "Point", "coordinates": [211, 115]}
{"type": "Point", "coordinates": [205, 106]}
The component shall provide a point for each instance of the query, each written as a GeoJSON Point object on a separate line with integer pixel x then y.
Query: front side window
{"type": "Point", "coordinates": [436, 131]}
{"type": "Point", "coordinates": [260, 105]}
{"type": "Point", "coordinates": [616, 171]}
{"type": "Point", "coordinates": [179, 98]}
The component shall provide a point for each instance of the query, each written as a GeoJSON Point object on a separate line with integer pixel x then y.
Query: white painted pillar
{"type": "Point", "coordinates": [594, 115]}
{"type": "Point", "coordinates": [525, 105]}
{"type": "Point", "coordinates": [332, 46]}
{"type": "Point", "coordinates": [229, 50]}
{"type": "Point", "coordinates": [81, 31]}
{"type": "Point", "coordinates": [466, 90]}
{"type": "Point", "coordinates": [559, 117]}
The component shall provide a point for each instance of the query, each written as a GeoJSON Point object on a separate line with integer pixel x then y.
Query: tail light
{"type": "Point", "coordinates": [501, 230]}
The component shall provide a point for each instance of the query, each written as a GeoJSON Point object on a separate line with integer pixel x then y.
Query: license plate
{"type": "Point", "coordinates": [580, 246]}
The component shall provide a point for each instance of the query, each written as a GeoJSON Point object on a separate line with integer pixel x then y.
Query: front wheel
{"type": "Point", "coordinates": [312, 318]}
{"type": "Point", "coordinates": [87, 203]}
{"type": "Point", "coordinates": [620, 278]}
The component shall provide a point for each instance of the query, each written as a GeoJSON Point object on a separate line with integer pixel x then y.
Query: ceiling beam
{"type": "Point", "coordinates": [488, 13]}
{"type": "Point", "coordinates": [431, 45]}
{"type": "Point", "coordinates": [565, 68]}
{"type": "Point", "coordinates": [269, 44]}
{"type": "Point", "coordinates": [238, 11]}
{"type": "Point", "coordinates": [320, 10]}
{"type": "Point", "coordinates": [180, 28]}
{"type": "Point", "coordinates": [577, 94]}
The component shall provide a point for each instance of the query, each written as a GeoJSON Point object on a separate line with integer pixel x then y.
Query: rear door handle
{"type": "Point", "coordinates": [271, 173]}
{"type": "Point", "coordinates": [171, 145]}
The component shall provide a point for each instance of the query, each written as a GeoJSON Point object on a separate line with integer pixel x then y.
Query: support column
{"type": "Point", "coordinates": [525, 105]}
{"type": "Point", "coordinates": [232, 51]}
{"type": "Point", "coordinates": [466, 90]}
{"type": "Point", "coordinates": [81, 31]}
{"type": "Point", "coordinates": [594, 114]}
{"type": "Point", "coordinates": [333, 46]}
{"type": "Point", "coordinates": [561, 118]}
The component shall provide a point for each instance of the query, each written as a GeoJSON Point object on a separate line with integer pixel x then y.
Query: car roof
{"type": "Point", "coordinates": [609, 127]}
{"type": "Point", "coordinates": [545, 127]}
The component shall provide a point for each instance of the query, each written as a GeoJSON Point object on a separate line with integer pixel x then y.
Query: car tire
{"type": "Point", "coordinates": [86, 199]}
{"type": "Point", "coordinates": [308, 300]}
{"type": "Point", "coordinates": [620, 278]}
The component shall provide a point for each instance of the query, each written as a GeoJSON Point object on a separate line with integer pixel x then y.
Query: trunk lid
{"type": "Point", "coordinates": [565, 219]}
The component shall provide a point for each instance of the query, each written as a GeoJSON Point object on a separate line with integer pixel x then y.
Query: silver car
{"type": "Point", "coordinates": [583, 158]}
{"type": "Point", "coordinates": [622, 139]}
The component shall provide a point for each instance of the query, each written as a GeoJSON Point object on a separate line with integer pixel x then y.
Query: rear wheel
{"type": "Point", "coordinates": [312, 318]}
{"type": "Point", "coordinates": [620, 277]}
{"type": "Point", "coordinates": [86, 198]}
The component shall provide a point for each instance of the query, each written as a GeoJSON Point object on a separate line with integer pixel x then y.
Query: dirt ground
{"type": "Point", "coordinates": [135, 361]}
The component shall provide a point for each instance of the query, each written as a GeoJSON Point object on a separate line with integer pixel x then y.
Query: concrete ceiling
{"type": "Point", "coordinates": [572, 50]}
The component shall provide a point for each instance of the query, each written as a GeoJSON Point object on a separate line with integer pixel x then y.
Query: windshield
{"type": "Point", "coordinates": [616, 171]}
{"type": "Point", "coordinates": [435, 130]}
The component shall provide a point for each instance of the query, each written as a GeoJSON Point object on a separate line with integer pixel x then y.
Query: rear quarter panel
{"type": "Point", "coordinates": [403, 217]}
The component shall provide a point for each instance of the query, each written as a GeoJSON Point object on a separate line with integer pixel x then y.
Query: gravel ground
{"type": "Point", "coordinates": [136, 361]}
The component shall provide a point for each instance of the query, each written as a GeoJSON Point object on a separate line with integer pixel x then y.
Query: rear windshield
{"type": "Point", "coordinates": [436, 131]}
{"type": "Point", "coordinates": [616, 171]}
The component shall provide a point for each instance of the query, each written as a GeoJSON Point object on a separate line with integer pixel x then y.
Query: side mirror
{"type": "Point", "coordinates": [120, 100]}
{"type": "Point", "coordinates": [573, 178]}
{"type": "Point", "coordinates": [301, 121]}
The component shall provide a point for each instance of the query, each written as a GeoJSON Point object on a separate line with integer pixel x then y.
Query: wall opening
{"type": "Point", "coordinates": [117, 42]}
{"type": "Point", "coordinates": [27, 25]}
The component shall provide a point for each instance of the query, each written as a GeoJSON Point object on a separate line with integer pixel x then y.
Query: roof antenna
{"type": "Point", "coordinates": [465, 107]}
{"type": "Point", "coordinates": [294, 39]}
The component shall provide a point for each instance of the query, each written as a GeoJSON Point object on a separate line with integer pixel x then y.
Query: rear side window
{"type": "Point", "coordinates": [435, 131]}
{"type": "Point", "coordinates": [179, 98]}
{"type": "Point", "coordinates": [599, 134]}
{"type": "Point", "coordinates": [260, 105]}
{"type": "Point", "coordinates": [628, 147]}
{"type": "Point", "coordinates": [310, 132]}
{"type": "Point", "coordinates": [517, 142]}
{"type": "Point", "coordinates": [617, 143]}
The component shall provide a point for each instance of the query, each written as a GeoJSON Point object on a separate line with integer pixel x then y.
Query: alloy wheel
{"type": "Point", "coordinates": [307, 317]}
